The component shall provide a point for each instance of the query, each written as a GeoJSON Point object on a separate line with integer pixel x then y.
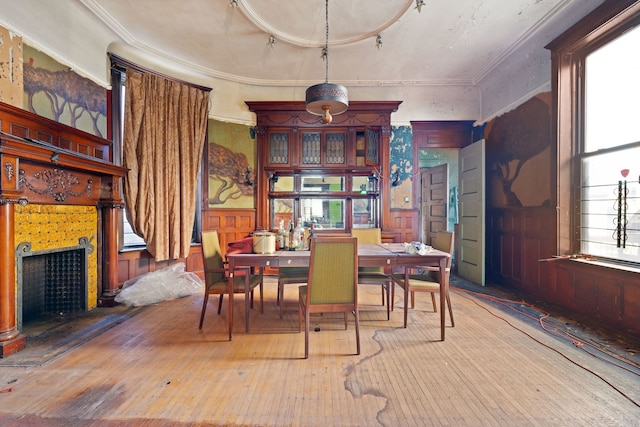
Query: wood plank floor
{"type": "Point", "coordinates": [496, 368]}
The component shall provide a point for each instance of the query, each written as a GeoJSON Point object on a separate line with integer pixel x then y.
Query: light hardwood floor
{"type": "Point", "coordinates": [495, 368]}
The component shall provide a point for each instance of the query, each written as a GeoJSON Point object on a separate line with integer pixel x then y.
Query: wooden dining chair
{"type": "Point", "coordinates": [373, 275]}
{"type": "Point", "coordinates": [426, 279]}
{"type": "Point", "coordinates": [332, 285]}
{"type": "Point", "coordinates": [217, 276]}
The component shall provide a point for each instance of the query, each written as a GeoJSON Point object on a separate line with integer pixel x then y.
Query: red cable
{"type": "Point", "coordinates": [577, 342]}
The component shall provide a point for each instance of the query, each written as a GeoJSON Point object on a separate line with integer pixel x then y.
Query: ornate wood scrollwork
{"type": "Point", "coordinates": [59, 184]}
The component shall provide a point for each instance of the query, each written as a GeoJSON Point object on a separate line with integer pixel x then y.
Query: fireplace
{"type": "Point", "coordinates": [59, 203]}
{"type": "Point", "coordinates": [51, 282]}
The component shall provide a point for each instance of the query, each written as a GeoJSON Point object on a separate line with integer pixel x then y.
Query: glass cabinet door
{"type": "Point", "coordinates": [323, 148]}
{"type": "Point", "coordinates": [279, 152]}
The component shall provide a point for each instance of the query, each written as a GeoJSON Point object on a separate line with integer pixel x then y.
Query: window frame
{"type": "Point", "coordinates": [568, 56]}
{"type": "Point", "coordinates": [347, 194]}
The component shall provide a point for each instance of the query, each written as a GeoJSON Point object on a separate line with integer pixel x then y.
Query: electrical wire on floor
{"type": "Point", "coordinates": [541, 319]}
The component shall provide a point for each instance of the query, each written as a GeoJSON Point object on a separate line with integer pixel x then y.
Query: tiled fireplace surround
{"type": "Point", "coordinates": [58, 189]}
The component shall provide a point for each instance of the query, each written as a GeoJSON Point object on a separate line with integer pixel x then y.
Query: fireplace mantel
{"type": "Point", "coordinates": [44, 162]}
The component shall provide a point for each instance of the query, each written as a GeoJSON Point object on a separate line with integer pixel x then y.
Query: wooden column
{"type": "Point", "coordinates": [11, 341]}
{"type": "Point", "coordinates": [110, 255]}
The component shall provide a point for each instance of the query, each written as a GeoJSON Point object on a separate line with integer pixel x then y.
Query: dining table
{"type": "Point", "coordinates": [388, 255]}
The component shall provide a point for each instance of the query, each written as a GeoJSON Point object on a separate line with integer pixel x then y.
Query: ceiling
{"type": "Point", "coordinates": [450, 60]}
{"type": "Point", "coordinates": [445, 42]}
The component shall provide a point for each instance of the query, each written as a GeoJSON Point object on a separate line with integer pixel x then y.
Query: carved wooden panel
{"type": "Point", "coordinates": [231, 224]}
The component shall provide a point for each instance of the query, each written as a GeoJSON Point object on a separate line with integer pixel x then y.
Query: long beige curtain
{"type": "Point", "coordinates": [165, 125]}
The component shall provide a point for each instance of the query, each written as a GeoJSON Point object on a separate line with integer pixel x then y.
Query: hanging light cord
{"type": "Point", "coordinates": [325, 53]}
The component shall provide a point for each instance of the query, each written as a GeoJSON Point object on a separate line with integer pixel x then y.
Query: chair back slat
{"type": "Point", "coordinates": [212, 256]}
{"type": "Point", "coordinates": [333, 270]}
{"type": "Point", "coordinates": [368, 236]}
{"type": "Point", "coordinates": [444, 242]}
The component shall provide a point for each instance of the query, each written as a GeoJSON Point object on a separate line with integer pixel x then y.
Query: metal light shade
{"type": "Point", "coordinates": [326, 98]}
{"type": "Point", "coordinates": [324, 95]}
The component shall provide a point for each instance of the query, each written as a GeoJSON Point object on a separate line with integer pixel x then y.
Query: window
{"type": "Point", "coordinates": [610, 161]}
{"type": "Point", "coordinates": [330, 202]}
{"type": "Point", "coordinates": [597, 87]}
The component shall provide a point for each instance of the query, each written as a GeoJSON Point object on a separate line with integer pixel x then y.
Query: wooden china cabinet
{"type": "Point", "coordinates": [327, 175]}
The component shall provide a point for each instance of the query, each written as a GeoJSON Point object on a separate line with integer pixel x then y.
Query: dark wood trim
{"type": "Point", "coordinates": [441, 134]}
{"type": "Point", "coordinates": [568, 53]}
{"type": "Point", "coordinates": [121, 64]}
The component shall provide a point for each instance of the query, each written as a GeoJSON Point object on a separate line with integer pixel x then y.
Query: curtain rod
{"type": "Point", "coordinates": [121, 64]}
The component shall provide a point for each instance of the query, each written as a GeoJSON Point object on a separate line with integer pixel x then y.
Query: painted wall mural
{"type": "Point", "coordinates": [11, 91]}
{"type": "Point", "coordinates": [401, 168]}
{"type": "Point", "coordinates": [54, 91]}
{"type": "Point", "coordinates": [231, 165]}
{"type": "Point", "coordinates": [518, 155]}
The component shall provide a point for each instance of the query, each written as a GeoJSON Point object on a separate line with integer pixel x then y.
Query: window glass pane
{"type": "Point", "coordinates": [612, 90]}
{"type": "Point", "coordinates": [324, 213]}
{"type": "Point", "coordinates": [283, 184]}
{"type": "Point", "coordinates": [364, 213]}
{"type": "Point", "coordinates": [610, 207]}
{"type": "Point", "coordinates": [281, 209]}
{"type": "Point", "coordinates": [360, 184]}
{"type": "Point", "coordinates": [322, 183]}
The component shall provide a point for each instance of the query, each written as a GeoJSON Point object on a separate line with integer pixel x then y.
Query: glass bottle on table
{"type": "Point", "coordinates": [312, 234]}
{"type": "Point", "coordinates": [299, 236]}
{"type": "Point", "coordinates": [281, 236]}
{"type": "Point", "coordinates": [292, 237]}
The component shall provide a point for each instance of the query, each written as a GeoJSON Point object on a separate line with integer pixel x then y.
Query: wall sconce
{"type": "Point", "coordinates": [419, 4]}
{"type": "Point", "coordinates": [247, 175]}
{"type": "Point", "coordinates": [395, 178]}
{"type": "Point", "coordinates": [54, 157]}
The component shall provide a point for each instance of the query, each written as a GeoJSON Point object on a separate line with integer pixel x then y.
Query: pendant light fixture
{"type": "Point", "coordinates": [326, 98]}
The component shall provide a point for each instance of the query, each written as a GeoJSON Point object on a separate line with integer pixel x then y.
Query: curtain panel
{"type": "Point", "coordinates": [165, 125]}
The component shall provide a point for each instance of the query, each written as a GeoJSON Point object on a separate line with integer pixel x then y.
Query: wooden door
{"type": "Point", "coordinates": [433, 201]}
{"type": "Point", "coordinates": [471, 229]}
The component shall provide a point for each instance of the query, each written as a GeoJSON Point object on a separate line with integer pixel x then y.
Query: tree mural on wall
{"type": "Point", "coordinates": [514, 138]}
{"type": "Point", "coordinates": [65, 90]}
{"type": "Point", "coordinates": [228, 171]}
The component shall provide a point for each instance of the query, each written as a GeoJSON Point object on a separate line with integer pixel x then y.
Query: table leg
{"type": "Point", "coordinates": [246, 301]}
{"type": "Point", "coordinates": [230, 291]}
{"type": "Point", "coordinates": [406, 294]}
{"type": "Point", "coordinates": [443, 292]}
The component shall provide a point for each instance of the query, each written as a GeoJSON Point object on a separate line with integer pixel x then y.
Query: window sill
{"type": "Point", "coordinates": [609, 265]}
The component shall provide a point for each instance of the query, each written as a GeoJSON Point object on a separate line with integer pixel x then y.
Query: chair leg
{"type": "Point", "coordinates": [433, 301]}
{"type": "Point", "coordinates": [220, 303]}
{"type": "Point", "coordinates": [281, 298]}
{"type": "Point", "coordinates": [299, 316]}
{"type": "Point", "coordinates": [261, 298]}
{"type": "Point", "coordinates": [355, 312]}
{"type": "Point", "coordinates": [388, 285]}
{"type": "Point", "coordinates": [406, 305]}
{"type": "Point", "coordinates": [346, 320]}
{"type": "Point", "coordinates": [450, 311]}
{"type": "Point", "coordinates": [204, 308]}
{"type": "Point", "coordinates": [306, 334]}
{"type": "Point", "coordinates": [413, 299]}
{"type": "Point", "coordinates": [382, 289]}
{"type": "Point", "coordinates": [278, 293]}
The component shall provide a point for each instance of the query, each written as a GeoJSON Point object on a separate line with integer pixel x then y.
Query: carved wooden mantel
{"type": "Point", "coordinates": [45, 162]}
